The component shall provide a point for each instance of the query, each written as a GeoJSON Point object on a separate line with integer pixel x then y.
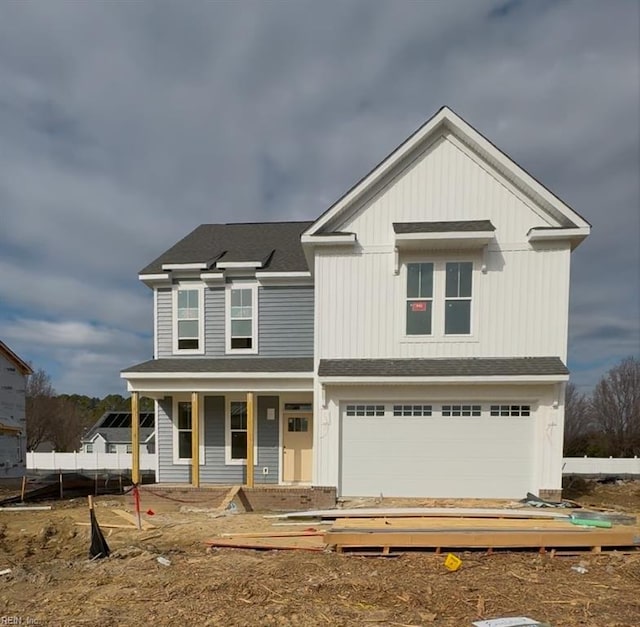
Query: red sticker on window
{"type": "Point", "coordinates": [419, 306]}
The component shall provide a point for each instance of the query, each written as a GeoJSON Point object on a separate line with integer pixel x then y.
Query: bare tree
{"type": "Point", "coordinates": [40, 408]}
{"type": "Point", "coordinates": [615, 407]}
{"type": "Point", "coordinates": [67, 425]}
{"type": "Point", "coordinates": [577, 421]}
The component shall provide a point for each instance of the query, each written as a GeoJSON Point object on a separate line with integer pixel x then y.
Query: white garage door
{"type": "Point", "coordinates": [437, 450]}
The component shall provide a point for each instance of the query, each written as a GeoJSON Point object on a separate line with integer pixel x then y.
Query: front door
{"type": "Point", "coordinates": [298, 448]}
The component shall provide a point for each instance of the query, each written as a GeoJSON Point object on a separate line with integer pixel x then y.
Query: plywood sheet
{"type": "Point", "coordinates": [299, 543]}
{"type": "Point", "coordinates": [455, 512]}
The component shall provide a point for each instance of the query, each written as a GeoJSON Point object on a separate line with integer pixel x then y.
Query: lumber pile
{"type": "Point", "coordinates": [439, 529]}
{"type": "Point", "coordinates": [448, 533]}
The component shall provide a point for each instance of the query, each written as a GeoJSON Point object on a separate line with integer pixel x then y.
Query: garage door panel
{"type": "Point", "coordinates": [437, 457]}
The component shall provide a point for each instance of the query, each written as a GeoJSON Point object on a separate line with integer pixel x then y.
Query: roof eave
{"type": "Point", "coordinates": [466, 379]}
{"type": "Point", "coordinates": [23, 366]}
{"type": "Point", "coordinates": [575, 236]}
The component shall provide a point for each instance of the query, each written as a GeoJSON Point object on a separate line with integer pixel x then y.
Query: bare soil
{"type": "Point", "coordinates": [53, 581]}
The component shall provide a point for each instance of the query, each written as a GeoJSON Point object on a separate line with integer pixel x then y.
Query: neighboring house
{"type": "Point", "coordinates": [13, 427]}
{"type": "Point", "coordinates": [112, 434]}
{"type": "Point", "coordinates": [411, 341]}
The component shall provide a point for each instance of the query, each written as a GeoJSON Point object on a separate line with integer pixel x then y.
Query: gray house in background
{"type": "Point", "coordinates": [112, 434]}
{"type": "Point", "coordinates": [13, 427]}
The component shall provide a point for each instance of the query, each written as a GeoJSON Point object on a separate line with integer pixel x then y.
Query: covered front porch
{"type": "Point", "coordinates": [212, 425]}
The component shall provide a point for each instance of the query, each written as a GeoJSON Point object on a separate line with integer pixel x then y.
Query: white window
{"type": "Point", "coordinates": [182, 433]}
{"type": "Point", "coordinates": [461, 410]}
{"type": "Point", "coordinates": [111, 448]}
{"type": "Point", "coordinates": [438, 299]}
{"type": "Point", "coordinates": [129, 448]}
{"type": "Point", "coordinates": [242, 318]}
{"type": "Point", "coordinates": [238, 430]}
{"type": "Point", "coordinates": [183, 426]}
{"type": "Point", "coordinates": [188, 319]}
{"type": "Point", "coordinates": [419, 298]}
{"type": "Point", "coordinates": [88, 448]}
{"type": "Point", "coordinates": [365, 410]}
{"type": "Point", "coordinates": [412, 410]}
{"type": "Point", "coordinates": [510, 410]}
{"type": "Point", "coordinates": [236, 434]}
{"type": "Point", "coordinates": [457, 312]}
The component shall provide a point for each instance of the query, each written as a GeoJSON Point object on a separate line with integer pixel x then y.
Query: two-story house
{"type": "Point", "coordinates": [411, 341]}
{"type": "Point", "coordinates": [13, 428]}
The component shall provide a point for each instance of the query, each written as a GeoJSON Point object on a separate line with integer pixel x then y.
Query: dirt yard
{"type": "Point", "coordinates": [53, 582]}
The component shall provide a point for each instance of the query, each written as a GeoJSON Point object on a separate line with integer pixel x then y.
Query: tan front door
{"type": "Point", "coordinates": [298, 448]}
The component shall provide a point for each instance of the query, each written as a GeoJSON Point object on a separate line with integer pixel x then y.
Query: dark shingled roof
{"type": "Point", "coordinates": [464, 367]}
{"type": "Point", "coordinates": [233, 364]}
{"type": "Point", "coordinates": [278, 243]}
{"type": "Point", "coordinates": [443, 227]}
{"type": "Point", "coordinates": [115, 427]}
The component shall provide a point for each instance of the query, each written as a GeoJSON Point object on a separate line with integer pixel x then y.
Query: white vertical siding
{"type": "Point", "coordinates": [446, 182]}
{"type": "Point", "coordinates": [520, 307]}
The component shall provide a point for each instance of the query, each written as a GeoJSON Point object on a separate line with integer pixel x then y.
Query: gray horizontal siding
{"type": "Point", "coordinates": [268, 440]}
{"type": "Point", "coordinates": [285, 321]}
{"type": "Point", "coordinates": [168, 471]}
{"type": "Point", "coordinates": [214, 341]}
{"type": "Point", "coordinates": [215, 470]}
{"type": "Point", "coordinates": [164, 324]}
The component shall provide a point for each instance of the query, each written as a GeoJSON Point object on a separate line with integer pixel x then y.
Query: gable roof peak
{"type": "Point", "coordinates": [467, 134]}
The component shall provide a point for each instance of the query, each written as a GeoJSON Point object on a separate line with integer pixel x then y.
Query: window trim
{"type": "Point", "coordinates": [185, 461]}
{"type": "Point", "coordinates": [253, 286]}
{"type": "Point", "coordinates": [429, 300]}
{"type": "Point", "coordinates": [439, 299]}
{"type": "Point", "coordinates": [446, 298]}
{"type": "Point", "coordinates": [184, 286]}
{"type": "Point", "coordinates": [235, 398]}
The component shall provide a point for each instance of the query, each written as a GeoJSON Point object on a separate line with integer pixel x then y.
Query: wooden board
{"type": "Point", "coordinates": [106, 525]}
{"type": "Point", "coordinates": [455, 512]}
{"type": "Point", "coordinates": [133, 520]}
{"type": "Point", "coordinates": [228, 498]}
{"type": "Point", "coordinates": [498, 538]}
{"type": "Point", "coordinates": [275, 534]}
{"type": "Point", "coordinates": [300, 543]}
{"type": "Point", "coordinates": [425, 524]}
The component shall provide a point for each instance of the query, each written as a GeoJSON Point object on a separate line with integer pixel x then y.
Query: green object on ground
{"type": "Point", "coordinates": [587, 522]}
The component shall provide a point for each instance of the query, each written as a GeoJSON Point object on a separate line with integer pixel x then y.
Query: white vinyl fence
{"type": "Point", "coordinates": [87, 461]}
{"type": "Point", "coordinates": [601, 466]}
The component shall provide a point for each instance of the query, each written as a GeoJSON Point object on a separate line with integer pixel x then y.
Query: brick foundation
{"type": "Point", "coordinates": [550, 495]}
{"type": "Point", "coordinates": [259, 498]}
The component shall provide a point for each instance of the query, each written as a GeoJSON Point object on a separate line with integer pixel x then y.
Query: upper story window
{"type": "Point", "coordinates": [438, 298]}
{"type": "Point", "coordinates": [242, 319]}
{"type": "Point", "coordinates": [188, 319]}
{"type": "Point", "coordinates": [419, 298]}
{"type": "Point", "coordinates": [457, 312]}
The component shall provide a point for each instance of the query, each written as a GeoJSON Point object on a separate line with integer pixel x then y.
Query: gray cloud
{"type": "Point", "coordinates": [123, 126]}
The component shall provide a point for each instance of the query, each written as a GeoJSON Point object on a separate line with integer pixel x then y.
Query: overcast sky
{"type": "Point", "coordinates": [125, 125]}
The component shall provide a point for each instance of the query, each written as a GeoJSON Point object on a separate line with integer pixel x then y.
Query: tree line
{"type": "Point", "coordinates": [605, 422]}
{"type": "Point", "coordinates": [62, 419]}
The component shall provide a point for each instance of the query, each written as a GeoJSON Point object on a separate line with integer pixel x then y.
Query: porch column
{"type": "Point", "coordinates": [135, 437]}
{"type": "Point", "coordinates": [195, 439]}
{"type": "Point", "coordinates": [250, 438]}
